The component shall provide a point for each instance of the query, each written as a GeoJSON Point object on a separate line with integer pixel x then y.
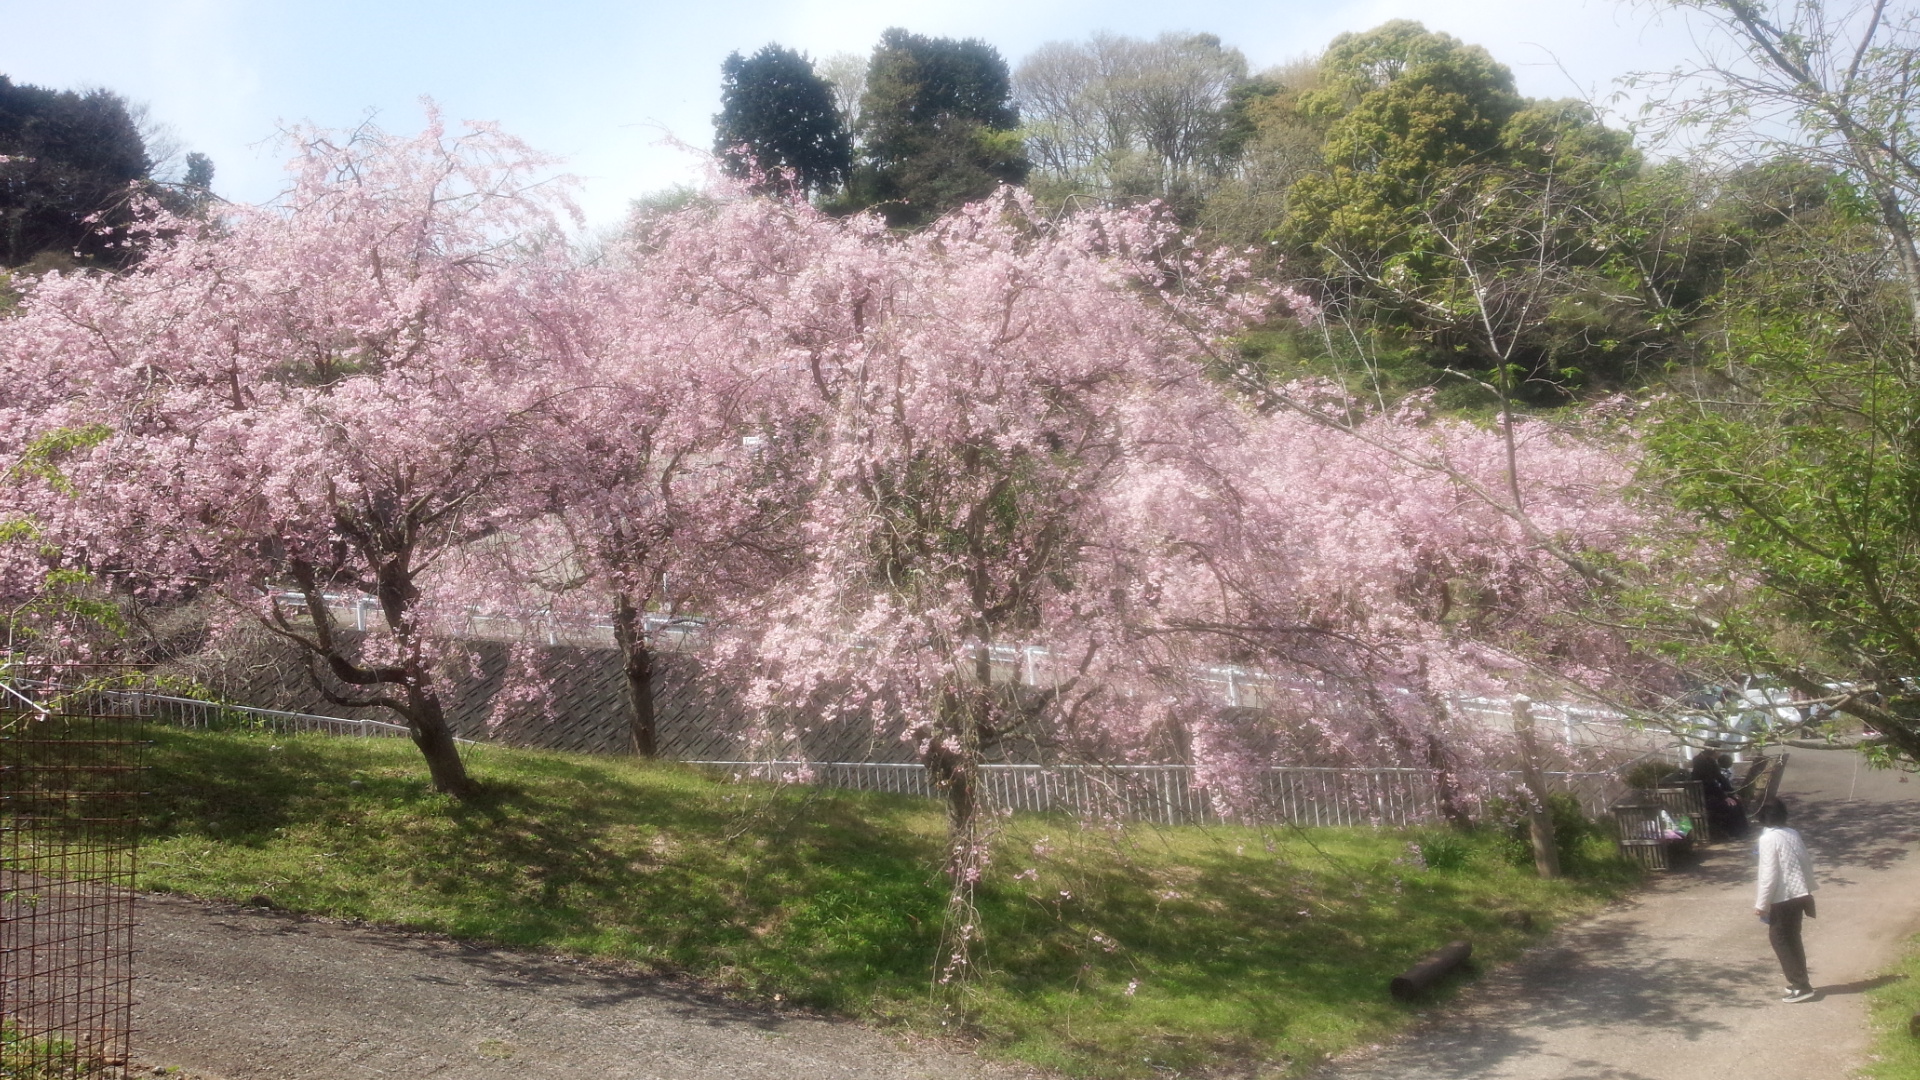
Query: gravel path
{"type": "Point", "coordinates": [1680, 983]}
{"type": "Point", "coordinates": [245, 994]}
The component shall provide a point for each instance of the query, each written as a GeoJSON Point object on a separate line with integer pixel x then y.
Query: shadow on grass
{"type": "Point", "coordinates": [823, 899]}
{"type": "Point", "coordinates": [1257, 949]}
{"type": "Point", "coordinates": [1104, 954]}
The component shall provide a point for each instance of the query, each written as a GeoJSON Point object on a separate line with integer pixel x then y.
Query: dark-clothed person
{"type": "Point", "coordinates": [1725, 816]}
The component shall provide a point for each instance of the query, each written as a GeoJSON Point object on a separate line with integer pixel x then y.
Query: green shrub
{"type": "Point", "coordinates": [1445, 851]}
{"type": "Point", "coordinates": [1587, 848]}
{"type": "Point", "coordinates": [1647, 774]}
{"type": "Point", "coordinates": [25, 1058]}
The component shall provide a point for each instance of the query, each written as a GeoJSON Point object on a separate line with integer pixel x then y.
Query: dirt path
{"type": "Point", "coordinates": [1680, 983]}
{"type": "Point", "coordinates": [244, 994]}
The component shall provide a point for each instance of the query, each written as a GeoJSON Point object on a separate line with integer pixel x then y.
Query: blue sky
{"type": "Point", "coordinates": [601, 83]}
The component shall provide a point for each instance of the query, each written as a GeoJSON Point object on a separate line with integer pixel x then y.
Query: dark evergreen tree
{"type": "Point", "coordinates": [72, 166]}
{"type": "Point", "coordinates": [193, 194]}
{"type": "Point", "coordinates": [937, 125]}
{"type": "Point", "coordinates": [199, 175]}
{"type": "Point", "coordinates": [776, 112]}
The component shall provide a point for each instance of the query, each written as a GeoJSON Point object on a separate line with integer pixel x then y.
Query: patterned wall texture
{"type": "Point", "coordinates": [580, 702]}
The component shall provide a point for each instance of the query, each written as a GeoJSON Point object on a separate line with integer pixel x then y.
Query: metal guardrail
{"type": "Point", "coordinates": [353, 611]}
{"type": "Point", "coordinates": [1029, 664]}
{"type": "Point", "coordinates": [1170, 795]}
{"type": "Point", "coordinates": [197, 714]}
{"type": "Point", "coordinates": [194, 713]}
{"type": "Point", "coordinates": [13, 695]}
{"type": "Point", "coordinates": [1163, 794]}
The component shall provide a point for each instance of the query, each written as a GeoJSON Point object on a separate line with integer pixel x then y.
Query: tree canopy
{"type": "Point", "coordinates": [1435, 173]}
{"type": "Point", "coordinates": [347, 378]}
{"type": "Point", "coordinates": [957, 425]}
{"type": "Point", "coordinates": [1120, 117]}
{"type": "Point", "coordinates": [938, 127]}
{"type": "Point", "coordinates": [1796, 444]}
{"type": "Point", "coordinates": [71, 165]}
{"type": "Point", "coordinates": [778, 115]}
{"type": "Point", "coordinates": [877, 459]}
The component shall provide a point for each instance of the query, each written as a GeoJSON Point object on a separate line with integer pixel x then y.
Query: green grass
{"type": "Point", "coordinates": [1896, 1053]}
{"type": "Point", "coordinates": [1103, 953]}
{"type": "Point", "coordinates": [26, 1058]}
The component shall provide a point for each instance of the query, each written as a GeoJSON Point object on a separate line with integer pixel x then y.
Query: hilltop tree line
{"type": "Point", "coordinates": [1460, 233]}
{"type": "Point", "coordinates": [927, 125]}
{"type": "Point", "coordinates": [1500, 253]}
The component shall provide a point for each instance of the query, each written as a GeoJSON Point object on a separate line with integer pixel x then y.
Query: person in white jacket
{"type": "Point", "coordinates": [1785, 896]}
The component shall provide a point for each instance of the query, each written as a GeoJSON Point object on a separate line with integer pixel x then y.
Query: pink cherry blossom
{"type": "Point", "coordinates": [321, 395]}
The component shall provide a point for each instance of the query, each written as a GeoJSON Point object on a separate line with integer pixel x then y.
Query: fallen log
{"type": "Point", "coordinates": [1431, 969]}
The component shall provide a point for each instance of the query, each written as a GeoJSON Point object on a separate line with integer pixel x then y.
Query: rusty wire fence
{"type": "Point", "coordinates": [70, 790]}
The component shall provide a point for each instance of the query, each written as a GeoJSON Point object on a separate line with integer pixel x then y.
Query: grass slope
{"type": "Point", "coordinates": [1104, 952]}
{"type": "Point", "coordinates": [1896, 1052]}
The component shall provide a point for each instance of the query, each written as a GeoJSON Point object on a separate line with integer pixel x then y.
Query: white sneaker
{"type": "Point", "coordinates": [1795, 996]}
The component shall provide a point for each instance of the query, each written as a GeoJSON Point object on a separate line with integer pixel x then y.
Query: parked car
{"type": "Point", "coordinates": [1732, 717]}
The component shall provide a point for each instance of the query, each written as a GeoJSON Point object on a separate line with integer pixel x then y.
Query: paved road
{"type": "Point", "coordinates": [242, 994]}
{"type": "Point", "coordinates": [1679, 983]}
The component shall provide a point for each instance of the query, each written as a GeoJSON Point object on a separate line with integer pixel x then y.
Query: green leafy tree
{"type": "Point", "coordinates": [1267, 144]}
{"type": "Point", "coordinates": [1801, 447]}
{"type": "Point", "coordinates": [1832, 85]}
{"type": "Point", "coordinates": [199, 174]}
{"type": "Point", "coordinates": [195, 191]}
{"type": "Point", "coordinates": [938, 127]}
{"type": "Point", "coordinates": [1802, 450]}
{"type": "Point", "coordinates": [1452, 209]}
{"type": "Point", "coordinates": [777, 115]}
{"type": "Point", "coordinates": [1403, 106]}
{"type": "Point", "coordinates": [50, 602]}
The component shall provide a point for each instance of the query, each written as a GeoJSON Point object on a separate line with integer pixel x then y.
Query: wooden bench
{"type": "Point", "coordinates": [1647, 818]}
{"type": "Point", "coordinates": [1650, 834]}
{"type": "Point", "coordinates": [1683, 798]}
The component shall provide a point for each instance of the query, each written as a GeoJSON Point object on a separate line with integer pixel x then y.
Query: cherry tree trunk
{"type": "Point", "coordinates": [397, 592]}
{"type": "Point", "coordinates": [1446, 777]}
{"type": "Point", "coordinates": [963, 806]}
{"type": "Point", "coordinates": [1446, 786]}
{"type": "Point", "coordinates": [954, 766]}
{"type": "Point", "coordinates": [427, 722]}
{"type": "Point", "coordinates": [629, 630]}
{"type": "Point", "coordinates": [1546, 852]}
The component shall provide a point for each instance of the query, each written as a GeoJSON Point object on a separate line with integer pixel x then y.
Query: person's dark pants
{"type": "Point", "coordinates": [1783, 930]}
{"type": "Point", "coordinates": [1728, 820]}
